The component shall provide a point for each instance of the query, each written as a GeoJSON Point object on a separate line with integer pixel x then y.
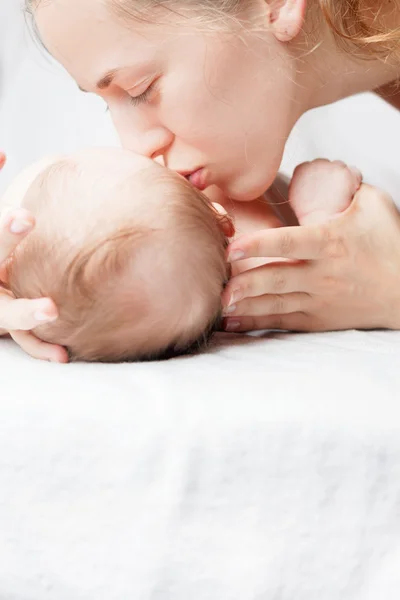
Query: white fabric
{"type": "Point", "coordinates": [266, 469]}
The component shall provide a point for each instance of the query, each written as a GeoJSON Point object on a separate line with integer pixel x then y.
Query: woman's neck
{"type": "Point", "coordinates": [326, 72]}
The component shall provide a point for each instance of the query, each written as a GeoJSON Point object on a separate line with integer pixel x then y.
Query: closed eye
{"type": "Point", "coordinates": [144, 97]}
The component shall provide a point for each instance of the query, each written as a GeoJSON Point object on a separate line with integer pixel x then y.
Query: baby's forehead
{"type": "Point", "coordinates": [19, 187]}
{"type": "Point", "coordinates": [107, 188]}
{"type": "Point", "coordinates": [92, 163]}
{"type": "Point", "coordinates": [121, 180]}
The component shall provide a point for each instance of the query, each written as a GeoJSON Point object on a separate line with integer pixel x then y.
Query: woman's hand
{"type": "Point", "coordinates": [344, 274]}
{"type": "Point", "coordinates": [17, 317]}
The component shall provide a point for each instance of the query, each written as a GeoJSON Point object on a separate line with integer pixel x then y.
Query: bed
{"type": "Point", "coordinates": [265, 469]}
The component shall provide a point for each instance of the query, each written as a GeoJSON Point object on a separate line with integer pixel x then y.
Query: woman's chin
{"type": "Point", "coordinates": [245, 190]}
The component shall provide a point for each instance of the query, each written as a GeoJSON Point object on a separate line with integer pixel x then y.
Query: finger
{"type": "Point", "coordinates": [339, 163]}
{"type": "Point", "coordinates": [39, 349]}
{"type": "Point", "coordinates": [368, 205]}
{"type": "Point", "coordinates": [2, 160]}
{"type": "Point", "coordinates": [291, 322]}
{"type": "Point", "coordinates": [13, 228]}
{"type": "Point", "coordinates": [357, 174]}
{"type": "Point", "coordinates": [25, 314]}
{"type": "Point", "coordinates": [301, 243]}
{"type": "Point", "coordinates": [274, 278]}
{"type": "Point", "coordinates": [270, 304]}
{"type": "Point", "coordinates": [357, 179]}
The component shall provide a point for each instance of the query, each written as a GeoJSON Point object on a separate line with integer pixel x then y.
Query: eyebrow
{"type": "Point", "coordinates": [105, 81]}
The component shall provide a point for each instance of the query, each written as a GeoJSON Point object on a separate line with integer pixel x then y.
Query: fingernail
{"type": "Point", "coordinates": [236, 255]}
{"type": "Point", "coordinates": [232, 326]}
{"type": "Point", "coordinates": [20, 225]}
{"type": "Point", "coordinates": [43, 317]}
{"type": "Point", "coordinates": [229, 310]}
{"type": "Point", "coordinates": [237, 296]}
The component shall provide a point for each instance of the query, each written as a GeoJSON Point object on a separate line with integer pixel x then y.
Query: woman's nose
{"type": "Point", "coordinates": [152, 143]}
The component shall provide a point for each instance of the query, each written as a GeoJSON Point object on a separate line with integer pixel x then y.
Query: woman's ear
{"type": "Point", "coordinates": [224, 221]}
{"type": "Point", "coordinates": [286, 18]}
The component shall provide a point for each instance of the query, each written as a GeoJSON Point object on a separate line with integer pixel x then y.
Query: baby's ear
{"type": "Point", "coordinates": [224, 220]}
{"type": "Point", "coordinates": [286, 18]}
{"type": "Point", "coordinates": [227, 226]}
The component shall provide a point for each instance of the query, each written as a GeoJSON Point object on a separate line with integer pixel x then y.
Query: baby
{"type": "Point", "coordinates": [133, 256]}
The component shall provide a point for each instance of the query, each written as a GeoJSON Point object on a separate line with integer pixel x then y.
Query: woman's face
{"type": "Point", "coordinates": [216, 105]}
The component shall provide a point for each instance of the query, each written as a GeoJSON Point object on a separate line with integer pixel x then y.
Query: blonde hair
{"type": "Point", "coordinates": [104, 277]}
{"type": "Point", "coordinates": [373, 38]}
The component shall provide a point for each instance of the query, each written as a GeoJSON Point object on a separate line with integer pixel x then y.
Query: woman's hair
{"type": "Point", "coordinates": [346, 18]}
{"type": "Point", "coordinates": [374, 36]}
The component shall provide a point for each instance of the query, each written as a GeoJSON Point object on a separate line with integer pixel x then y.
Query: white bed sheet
{"type": "Point", "coordinates": [266, 469]}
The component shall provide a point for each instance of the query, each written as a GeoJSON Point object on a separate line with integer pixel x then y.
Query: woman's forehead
{"type": "Point", "coordinates": [91, 42]}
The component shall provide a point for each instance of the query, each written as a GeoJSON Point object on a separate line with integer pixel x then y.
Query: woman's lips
{"type": "Point", "coordinates": [198, 179]}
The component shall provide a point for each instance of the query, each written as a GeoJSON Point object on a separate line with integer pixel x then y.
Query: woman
{"type": "Point", "coordinates": [214, 88]}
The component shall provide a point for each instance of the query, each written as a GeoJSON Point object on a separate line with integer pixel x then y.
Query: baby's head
{"type": "Point", "coordinates": [132, 255]}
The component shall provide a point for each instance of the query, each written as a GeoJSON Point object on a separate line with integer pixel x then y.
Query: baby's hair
{"type": "Point", "coordinates": [106, 279]}
{"type": "Point", "coordinates": [346, 18]}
